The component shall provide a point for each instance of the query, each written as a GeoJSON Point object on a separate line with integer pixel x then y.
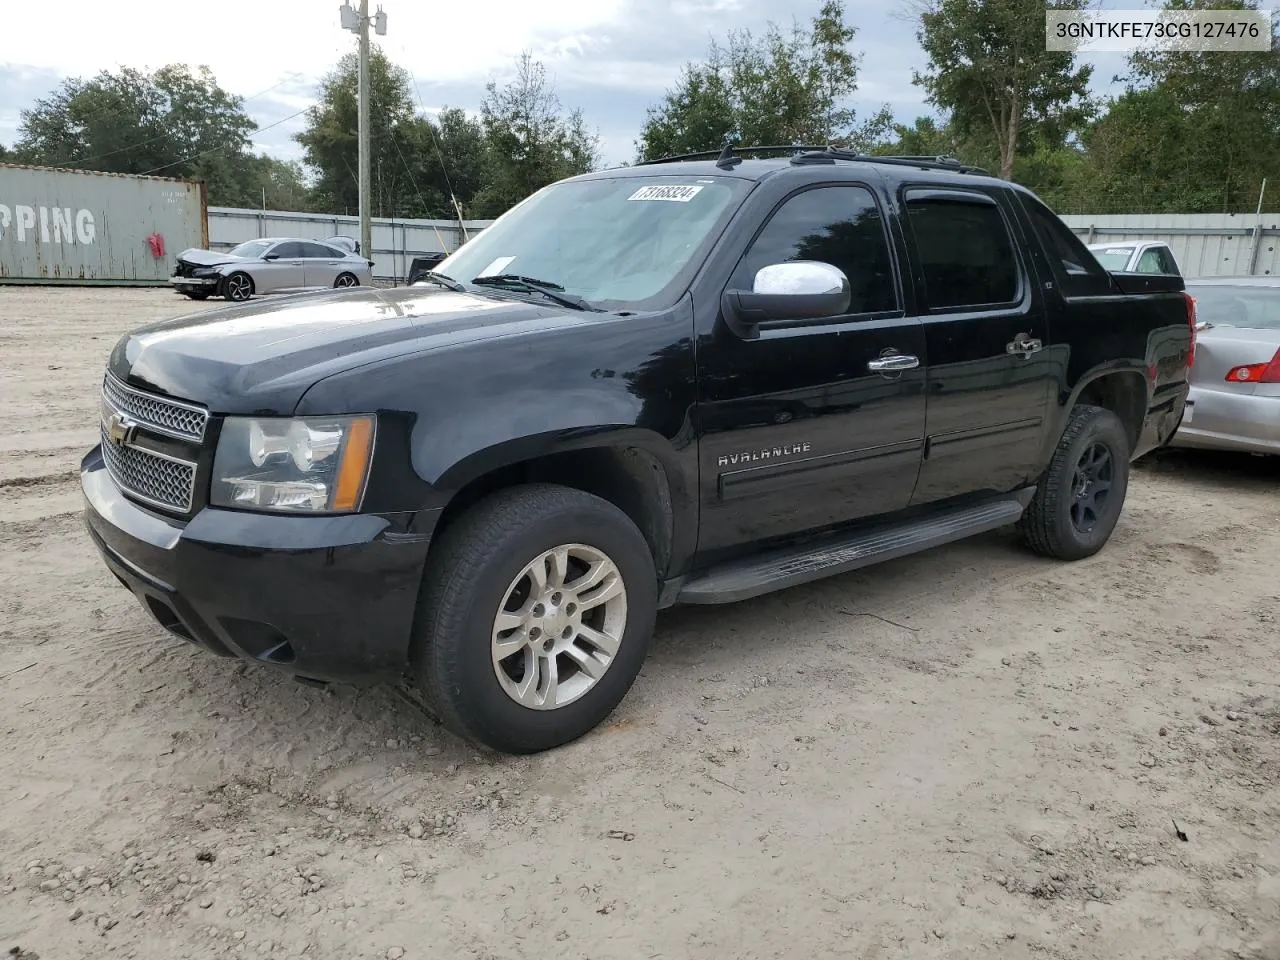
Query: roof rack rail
{"type": "Point", "coordinates": [729, 155]}
{"type": "Point", "coordinates": [832, 154]}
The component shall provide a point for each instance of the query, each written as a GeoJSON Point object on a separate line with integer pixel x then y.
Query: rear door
{"type": "Point", "coordinates": [321, 265]}
{"type": "Point", "coordinates": [283, 271]}
{"type": "Point", "coordinates": [986, 331]}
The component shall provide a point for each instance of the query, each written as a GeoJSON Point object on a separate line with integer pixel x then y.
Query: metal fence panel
{"type": "Point", "coordinates": [84, 227]}
{"type": "Point", "coordinates": [1204, 244]}
{"type": "Point", "coordinates": [395, 242]}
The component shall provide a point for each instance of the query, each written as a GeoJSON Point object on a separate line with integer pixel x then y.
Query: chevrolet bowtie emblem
{"type": "Point", "coordinates": [120, 429]}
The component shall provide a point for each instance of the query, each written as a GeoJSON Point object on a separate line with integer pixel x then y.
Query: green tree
{"type": "Point", "coordinates": [330, 142]}
{"type": "Point", "coordinates": [172, 122]}
{"type": "Point", "coordinates": [780, 88]}
{"type": "Point", "coordinates": [1194, 132]}
{"type": "Point", "coordinates": [989, 69]}
{"type": "Point", "coordinates": [529, 141]}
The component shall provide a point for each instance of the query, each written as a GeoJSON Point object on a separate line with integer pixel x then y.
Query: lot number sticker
{"type": "Point", "coordinates": [673, 194]}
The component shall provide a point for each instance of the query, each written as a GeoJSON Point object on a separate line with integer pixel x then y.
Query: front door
{"type": "Point", "coordinates": [805, 428]}
{"type": "Point", "coordinates": [991, 377]}
{"type": "Point", "coordinates": [284, 271]}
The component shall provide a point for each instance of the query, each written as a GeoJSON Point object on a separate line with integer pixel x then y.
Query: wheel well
{"type": "Point", "coordinates": [1125, 395]}
{"type": "Point", "coordinates": [629, 478]}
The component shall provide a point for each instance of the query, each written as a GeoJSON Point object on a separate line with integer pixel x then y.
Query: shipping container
{"type": "Point", "coordinates": [85, 227]}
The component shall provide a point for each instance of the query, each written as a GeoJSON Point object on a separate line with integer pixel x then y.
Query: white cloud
{"type": "Point", "coordinates": [250, 44]}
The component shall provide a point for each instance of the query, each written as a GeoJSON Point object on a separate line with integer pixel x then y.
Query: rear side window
{"type": "Point", "coordinates": [839, 225]}
{"type": "Point", "coordinates": [320, 251]}
{"type": "Point", "coordinates": [965, 251]}
{"type": "Point", "coordinates": [1167, 264]}
{"type": "Point", "coordinates": [1077, 270]}
{"type": "Point", "coordinates": [1149, 262]}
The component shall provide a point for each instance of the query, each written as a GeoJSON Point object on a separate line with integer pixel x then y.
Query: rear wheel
{"type": "Point", "coordinates": [346, 280]}
{"type": "Point", "coordinates": [1080, 496]}
{"type": "Point", "coordinates": [238, 286]}
{"type": "Point", "coordinates": [536, 614]}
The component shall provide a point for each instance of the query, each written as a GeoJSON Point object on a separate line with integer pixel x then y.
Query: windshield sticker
{"type": "Point", "coordinates": [673, 194]}
{"type": "Point", "coordinates": [495, 268]}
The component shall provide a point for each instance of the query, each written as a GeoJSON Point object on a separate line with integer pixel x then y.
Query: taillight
{"type": "Point", "coordinates": [1191, 322]}
{"type": "Point", "coordinates": [1256, 372]}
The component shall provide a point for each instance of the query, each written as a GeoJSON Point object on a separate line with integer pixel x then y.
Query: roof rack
{"type": "Point", "coordinates": [832, 154]}
{"type": "Point", "coordinates": [728, 156]}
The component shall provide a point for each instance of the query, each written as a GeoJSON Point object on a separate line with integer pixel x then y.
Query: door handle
{"type": "Point", "coordinates": [1023, 345]}
{"type": "Point", "coordinates": [893, 362]}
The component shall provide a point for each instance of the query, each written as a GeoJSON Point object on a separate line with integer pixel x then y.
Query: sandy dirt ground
{"type": "Point", "coordinates": [967, 753]}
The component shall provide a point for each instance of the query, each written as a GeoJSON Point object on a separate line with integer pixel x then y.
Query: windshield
{"type": "Point", "coordinates": [624, 243]}
{"type": "Point", "coordinates": [1114, 259]}
{"type": "Point", "coordinates": [1256, 308]}
{"type": "Point", "coordinates": [251, 248]}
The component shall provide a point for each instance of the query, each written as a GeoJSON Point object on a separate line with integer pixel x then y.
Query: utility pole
{"type": "Point", "coordinates": [358, 23]}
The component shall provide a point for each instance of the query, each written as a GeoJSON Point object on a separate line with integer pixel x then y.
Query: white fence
{"type": "Point", "coordinates": [1204, 244]}
{"type": "Point", "coordinates": [394, 242]}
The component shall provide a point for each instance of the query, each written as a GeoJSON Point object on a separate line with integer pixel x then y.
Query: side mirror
{"type": "Point", "coordinates": [785, 293]}
{"type": "Point", "coordinates": [271, 256]}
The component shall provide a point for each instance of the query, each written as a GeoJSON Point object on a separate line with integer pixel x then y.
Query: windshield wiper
{"type": "Point", "coordinates": [552, 291]}
{"type": "Point", "coordinates": [445, 281]}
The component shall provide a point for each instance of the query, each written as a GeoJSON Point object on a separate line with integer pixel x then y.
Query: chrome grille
{"type": "Point", "coordinates": [170, 417]}
{"type": "Point", "coordinates": [158, 480]}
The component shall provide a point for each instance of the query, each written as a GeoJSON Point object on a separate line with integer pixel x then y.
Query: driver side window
{"type": "Point", "coordinates": [839, 225]}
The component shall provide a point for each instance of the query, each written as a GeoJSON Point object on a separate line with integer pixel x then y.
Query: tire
{"type": "Point", "coordinates": [238, 287]}
{"type": "Point", "coordinates": [343, 280]}
{"type": "Point", "coordinates": [1072, 516]}
{"type": "Point", "coordinates": [478, 568]}
{"type": "Point", "coordinates": [197, 294]}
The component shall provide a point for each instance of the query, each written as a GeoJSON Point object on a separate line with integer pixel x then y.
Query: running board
{"type": "Point", "coordinates": [842, 553]}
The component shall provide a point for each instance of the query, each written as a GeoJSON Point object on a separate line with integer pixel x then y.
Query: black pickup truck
{"type": "Point", "coordinates": [692, 381]}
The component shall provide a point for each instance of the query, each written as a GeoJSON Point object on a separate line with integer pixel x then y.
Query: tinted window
{"type": "Point", "coordinates": [1149, 262]}
{"type": "Point", "coordinates": [1167, 263]}
{"type": "Point", "coordinates": [287, 250]}
{"type": "Point", "coordinates": [841, 226]}
{"type": "Point", "coordinates": [319, 250]}
{"type": "Point", "coordinates": [965, 251]}
{"type": "Point", "coordinates": [1079, 270]}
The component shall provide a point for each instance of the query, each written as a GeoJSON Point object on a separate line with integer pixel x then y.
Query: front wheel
{"type": "Point", "coordinates": [1080, 496]}
{"type": "Point", "coordinates": [537, 607]}
{"type": "Point", "coordinates": [238, 287]}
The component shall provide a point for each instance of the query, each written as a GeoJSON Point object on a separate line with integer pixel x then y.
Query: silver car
{"type": "Point", "coordinates": [1234, 402]}
{"type": "Point", "coordinates": [271, 265]}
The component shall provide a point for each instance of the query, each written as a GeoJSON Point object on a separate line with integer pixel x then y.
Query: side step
{"type": "Point", "coordinates": [844, 552]}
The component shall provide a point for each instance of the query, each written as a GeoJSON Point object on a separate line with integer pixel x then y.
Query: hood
{"type": "Point", "coordinates": [261, 356]}
{"type": "Point", "coordinates": [207, 258]}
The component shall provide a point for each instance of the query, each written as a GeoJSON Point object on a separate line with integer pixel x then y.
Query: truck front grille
{"type": "Point", "coordinates": [158, 480]}
{"type": "Point", "coordinates": [164, 477]}
{"type": "Point", "coordinates": [181, 420]}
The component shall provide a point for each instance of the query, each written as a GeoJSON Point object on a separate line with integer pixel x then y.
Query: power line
{"type": "Point", "coordinates": [225, 146]}
{"type": "Point", "coordinates": [158, 136]}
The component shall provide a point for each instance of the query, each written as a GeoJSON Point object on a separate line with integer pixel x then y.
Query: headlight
{"type": "Point", "coordinates": [305, 465]}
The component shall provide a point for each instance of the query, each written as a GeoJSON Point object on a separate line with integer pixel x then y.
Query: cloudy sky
{"type": "Point", "coordinates": [612, 58]}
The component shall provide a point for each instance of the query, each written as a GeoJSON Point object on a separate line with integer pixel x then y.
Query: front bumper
{"type": "Point", "coordinates": [1218, 420]}
{"type": "Point", "coordinates": [324, 598]}
{"type": "Point", "coordinates": [195, 283]}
